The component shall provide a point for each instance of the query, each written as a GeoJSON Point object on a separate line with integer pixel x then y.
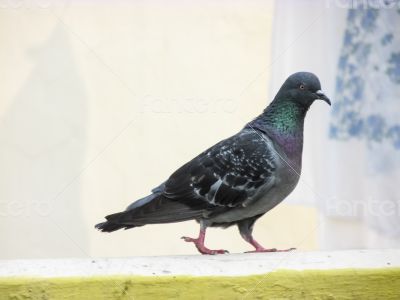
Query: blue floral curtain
{"type": "Point", "coordinates": [365, 132]}
{"type": "Point", "coordinates": [367, 100]}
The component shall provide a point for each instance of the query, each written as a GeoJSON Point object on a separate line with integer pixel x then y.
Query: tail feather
{"type": "Point", "coordinates": [110, 227]}
{"type": "Point", "coordinates": [157, 210]}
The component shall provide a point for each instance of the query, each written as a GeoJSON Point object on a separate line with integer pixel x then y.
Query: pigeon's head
{"type": "Point", "coordinates": [303, 88]}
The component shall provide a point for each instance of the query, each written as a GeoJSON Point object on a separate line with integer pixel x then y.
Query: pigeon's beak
{"type": "Point", "coordinates": [323, 97]}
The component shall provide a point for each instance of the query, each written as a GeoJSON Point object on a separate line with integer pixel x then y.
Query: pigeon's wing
{"type": "Point", "coordinates": [154, 193]}
{"type": "Point", "coordinates": [228, 174]}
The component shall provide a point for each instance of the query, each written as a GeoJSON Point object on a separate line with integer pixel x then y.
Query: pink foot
{"type": "Point", "coordinates": [203, 249]}
{"type": "Point", "coordinates": [270, 250]}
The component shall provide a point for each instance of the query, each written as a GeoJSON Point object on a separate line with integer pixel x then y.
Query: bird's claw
{"type": "Point", "coordinates": [270, 250]}
{"type": "Point", "coordinates": [189, 239]}
{"type": "Point", "coordinates": [202, 249]}
{"type": "Point", "coordinates": [220, 251]}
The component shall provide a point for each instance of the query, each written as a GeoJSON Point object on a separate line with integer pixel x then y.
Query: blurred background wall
{"type": "Point", "coordinates": [101, 102]}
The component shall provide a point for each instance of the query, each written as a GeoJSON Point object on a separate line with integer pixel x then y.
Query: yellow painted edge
{"type": "Point", "coordinates": [381, 283]}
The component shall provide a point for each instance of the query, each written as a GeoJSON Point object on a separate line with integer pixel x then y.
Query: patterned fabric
{"type": "Point", "coordinates": [367, 99]}
{"type": "Point", "coordinates": [365, 133]}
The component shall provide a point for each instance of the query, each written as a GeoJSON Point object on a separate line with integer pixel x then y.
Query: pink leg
{"type": "Point", "coordinates": [260, 248]}
{"type": "Point", "coordinates": [199, 243]}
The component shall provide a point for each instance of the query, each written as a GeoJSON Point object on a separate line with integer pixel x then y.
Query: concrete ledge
{"type": "Point", "coordinates": [356, 274]}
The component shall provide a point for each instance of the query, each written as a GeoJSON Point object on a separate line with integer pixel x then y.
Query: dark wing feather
{"type": "Point", "coordinates": [228, 174]}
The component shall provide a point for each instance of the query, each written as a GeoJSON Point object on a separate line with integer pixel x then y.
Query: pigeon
{"type": "Point", "coordinates": [237, 180]}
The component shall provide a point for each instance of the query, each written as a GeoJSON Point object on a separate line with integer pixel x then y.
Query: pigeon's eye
{"type": "Point", "coordinates": [302, 87]}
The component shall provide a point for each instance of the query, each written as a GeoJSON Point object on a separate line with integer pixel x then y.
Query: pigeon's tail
{"type": "Point", "coordinates": [153, 209]}
{"type": "Point", "coordinates": [110, 227]}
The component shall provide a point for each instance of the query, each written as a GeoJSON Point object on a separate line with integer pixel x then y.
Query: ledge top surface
{"type": "Point", "coordinates": [200, 265]}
